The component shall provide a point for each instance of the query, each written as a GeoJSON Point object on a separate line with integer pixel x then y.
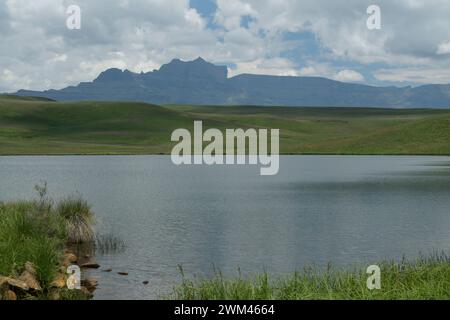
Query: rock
{"type": "Point", "coordinates": [3, 283]}
{"type": "Point", "coordinates": [9, 295]}
{"type": "Point", "coordinates": [4, 287]}
{"type": "Point", "coordinates": [59, 282]}
{"type": "Point", "coordinates": [90, 265]}
{"type": "Point", "coordinates": [122, 273]}
{"type": "Point", "coordinates": [89, 283]}
{"type": "Point", "coordinates": [14, 283]}
{"type": "Point", "coordinates": [29, 266]}
{"type": "Point", "coordinates": [69, 259]}
{"type": "Point", "coordinates": [107, 270]}
{"type": "Point", "coordinates": [87, 292]}
{"type": "Point", "coordinates": [90, 289]}
{"type": "Point", "coordinates": [30, 280]}
{"type": "Point", "coordinates": [29, 276]}
{"type": "Point", "coordinates": [146, 282]}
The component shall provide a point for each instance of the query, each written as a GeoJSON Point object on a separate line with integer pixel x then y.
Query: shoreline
{"type": "Point", "coordinates": [426, 277]}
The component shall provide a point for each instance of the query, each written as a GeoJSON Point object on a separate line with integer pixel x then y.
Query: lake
{"type": "Point", "coordinates": [343, 210]}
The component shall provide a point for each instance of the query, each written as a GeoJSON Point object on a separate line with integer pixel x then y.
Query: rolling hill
{"type": "Point", "coordinates": [40, 126]}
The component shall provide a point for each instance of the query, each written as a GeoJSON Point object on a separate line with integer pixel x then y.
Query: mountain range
{"type": "Point", "coordinates": [202, 83]}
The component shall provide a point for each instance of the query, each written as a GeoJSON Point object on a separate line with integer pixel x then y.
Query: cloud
{"type": "Point", "coordinates": [443, 48]}
{"type": "Point", "coordinates": [421, 75]}
{"type": "Point", "coordinates": [275, 66]}
{"type": "Point", "coordinates": [230, 13]}
{"type": "Point", "coordinates": [410, 29]}
{"type": "Point", "coordinates": [349, 76]}
{"type": "Point", "coordinates": [42, 53]}
{"type": "Point", "coordinates": [411, 32]}
{"type": "Point", "coordinates": [38, 52]}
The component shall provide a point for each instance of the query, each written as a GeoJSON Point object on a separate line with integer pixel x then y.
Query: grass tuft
{"type": "Point", "coordinates": [108, 244]}
{"type": "Point", "coordinates": [79, 219]}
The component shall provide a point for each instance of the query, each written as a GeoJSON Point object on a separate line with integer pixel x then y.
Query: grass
{"type": "Point", "coordinates": [37, 232]}
{"type": "Point", "coordinates": [78, 219]}
{"type": "Point", "coordinates": [108, 244]}
{"type": "Point", "coordinates": [422, 279]}
{"type": "Point", "coordinates": [36, 126]}
{"type": "Point", "coordinates": [28, 234]}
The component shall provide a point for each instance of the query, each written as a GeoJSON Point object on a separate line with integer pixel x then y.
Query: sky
{"type": "Point", "coordinates": [278, 37]}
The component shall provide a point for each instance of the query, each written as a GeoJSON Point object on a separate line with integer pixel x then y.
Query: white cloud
{"type": "Point", "coordinates": [444, 48]}
{"type": "Point", "coordinates": [147, 33]}
{"type": "Point", "coordinates": [423, 75]}
{"type": "Point", "coordinates": [411, 30]}
{"type": "Point", "coordinates": [349, 76]}
{"type": "Point", "coordinates": [38, 52]}
{"type": "Point", "coordinates": [314, 69]}
{"type": "Point", "coordinates": [9, 78]}
{"type": "Point", "coordinates": [275, 66]}
{"type": "Point", "coordinates": [230, 13]}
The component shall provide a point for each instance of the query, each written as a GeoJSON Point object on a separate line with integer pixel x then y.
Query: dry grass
{"type": "Point", "coordinates": [78, 217]}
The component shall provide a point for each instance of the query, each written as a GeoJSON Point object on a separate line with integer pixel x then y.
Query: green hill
{"type": "Point", "coordinates": [40, 126]}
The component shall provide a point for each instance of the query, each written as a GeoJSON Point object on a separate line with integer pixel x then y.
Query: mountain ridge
{"type": "Point", "coordinates": [203, 83]}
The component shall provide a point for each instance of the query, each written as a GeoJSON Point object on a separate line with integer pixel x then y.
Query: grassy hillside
{"type": "Point", "coordinates": [38, 126]}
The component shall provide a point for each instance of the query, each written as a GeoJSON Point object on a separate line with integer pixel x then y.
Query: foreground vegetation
{"type": "Point", "coordinates": [38, 126]}
{"type": "Point", "coordinates": [33, 238]}
{"type": "Point", "coordinates": [425, 278]}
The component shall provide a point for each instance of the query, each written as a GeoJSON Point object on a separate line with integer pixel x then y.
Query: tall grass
{"type": "Point", "coordinates": [108, 244]}
{"type": "Point", "coordinates": [28, 235]}
{"type": "Point", "coordinates": [78, 218]}
{"type": "Point", "coordinates": [38, 231]}
{"type": "Point", "coordinates": [102, 244]}
{"type": "Point", "coordinates": [423, 278]}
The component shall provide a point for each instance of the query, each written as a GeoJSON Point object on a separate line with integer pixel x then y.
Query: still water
{"type": "Point", "coordinates": [343, 210]}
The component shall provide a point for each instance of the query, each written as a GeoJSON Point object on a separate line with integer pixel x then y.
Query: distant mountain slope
{"type": "Point", "coordinates": [202, 83]}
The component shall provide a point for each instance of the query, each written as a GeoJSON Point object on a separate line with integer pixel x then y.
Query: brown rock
{"type": "Point", "coordinates": [29, 266]}
{"type": "Point", "coordinates": [59, 282]}
{"type": "Point", "coordinates": [107, 270]}
{"type": "Point", "coordinates": [3, 283]}
{"type": "Point", "coordinates": [89, 283]}
{"type": "Point", "coordinates": [10, 295]}
{"type": "Point", "coordinates": [14, 283]}
{"type": "Point", "coordinates": [4, 286]}
{"type": "Point", "coordinates": [71, 257]}
{"type": "Point", "coordinates": [30, 280]}
{"type": "Point", "coordinates": [87, 292]}
{"type": "Point", "coordinates": [90, 265]}
{"type": "Point", "coordinates": [123, 273]}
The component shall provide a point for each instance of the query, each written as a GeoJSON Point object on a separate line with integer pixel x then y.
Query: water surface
{"type": "Point", "coordinates": [345, 210]}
